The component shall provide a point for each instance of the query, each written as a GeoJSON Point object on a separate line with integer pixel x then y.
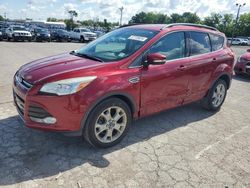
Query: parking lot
{"type": "Point", "coordinates": [183, 147]}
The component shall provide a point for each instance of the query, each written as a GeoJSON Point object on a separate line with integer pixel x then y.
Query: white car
{"type": "Point", "coordinates": [82, 35]}
{"type": "Point", "coordinates": [236, 41]}
{"type": "Point", "coordinates": [17, 32]}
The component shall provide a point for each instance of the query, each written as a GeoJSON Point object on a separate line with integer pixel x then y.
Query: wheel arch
{"type": "Point", "coordinates": [127, 98]}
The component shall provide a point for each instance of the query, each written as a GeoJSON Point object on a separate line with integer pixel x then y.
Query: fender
{"type": "Point", "coordinates": [222, 70]}
{"type": "Point", "coordinates": [92, 106]}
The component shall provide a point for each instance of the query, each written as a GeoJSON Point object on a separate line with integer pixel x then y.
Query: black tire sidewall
{"type": "Point", "coordinates": [89, 130]}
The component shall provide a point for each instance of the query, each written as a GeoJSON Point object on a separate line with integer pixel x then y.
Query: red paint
{"type": "Point", "coordinates": [243, 64]}
{"type": "Point", "coordinates": [161, 87]}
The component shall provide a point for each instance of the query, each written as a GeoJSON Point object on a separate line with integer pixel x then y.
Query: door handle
{"type": "Point", "coordinates": [214, 59]}
{"type": "Point", "coordinates": [182, 67]}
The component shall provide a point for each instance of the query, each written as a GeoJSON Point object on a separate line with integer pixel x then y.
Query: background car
{"type": "Point", "coordinates": [243, 64]}
{"type": "Point", "coordinates": [82, 35]}
{"type": "Point", "coordinates": [17, 33]}
{"type": "Point", "coordinates": [60, 35]}
{"type": "Point", "coordinates": [1, 35]}
{"type": "Point", "coordinates": [40, 34]}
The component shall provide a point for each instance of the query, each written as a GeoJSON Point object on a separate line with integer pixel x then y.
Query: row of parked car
{"type": "Point", "coordinates": [239, 41]}
{"type": "Point", "coordinates": [20, 33]}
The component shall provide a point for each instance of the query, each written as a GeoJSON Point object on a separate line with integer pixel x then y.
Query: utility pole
{"type": "Point", "coordinates": [121, 9]}
{"type": "Point", "coordinates": [236, 21]}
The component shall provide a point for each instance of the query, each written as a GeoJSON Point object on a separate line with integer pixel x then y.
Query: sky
{"type": "Point", "coordinates": [109, 9]}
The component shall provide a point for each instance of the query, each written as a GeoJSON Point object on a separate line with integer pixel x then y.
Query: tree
{"type": "Point", "coordinates": [188, 17]}
{"type": "Point", "coordinates": [243, 28]}
{"type": "Point", "coordinates": [1, 18]}
{"type": "Point", "coordinates": [149, 18]}
{"type": "Point", "coordinates": [52, 20]}
{"type": "Point", "coordinates": [72, 14]}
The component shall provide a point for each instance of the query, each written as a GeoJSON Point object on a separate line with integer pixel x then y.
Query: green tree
{"type": "Point", "coordinates": [188, 17]}
{"type": "Point", "coordinates": [52, 19]}
{"type": "Point", "coordinates": [243, 28]}
{"type": "Point", "coordinates": [1, 18]}
{"type": "Point", "coordinates": [72, 14]}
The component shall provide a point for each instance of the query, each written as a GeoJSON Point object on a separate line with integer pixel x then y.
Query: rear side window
{"type": "Point", "coordinates": [199, 43]}
{"type": "Point", "coordinates": [216, 41]}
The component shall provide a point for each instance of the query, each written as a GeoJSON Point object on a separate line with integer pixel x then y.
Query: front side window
{"type": "Point", "coordinates": [217, 41]}
{"type": "Point", "coordinates": [199, 43]}
{"type": "Point", "coordinates": [118, 44]}
{"type": "Point", "coordinates": [171, 45]}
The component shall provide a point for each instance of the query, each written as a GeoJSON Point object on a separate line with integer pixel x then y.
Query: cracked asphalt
{"type": "Point", "coordinates": [182, 147]}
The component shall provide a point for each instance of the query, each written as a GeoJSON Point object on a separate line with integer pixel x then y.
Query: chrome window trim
{"type": "Point", "coordinates": [140, 66]}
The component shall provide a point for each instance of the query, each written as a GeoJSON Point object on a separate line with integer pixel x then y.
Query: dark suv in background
{"type": "Point", "coordinates": [60, 35]}
{"type": "Point", "coordinates": [40, 34]}
{"type": "Point", "coordinates": [129, 73]}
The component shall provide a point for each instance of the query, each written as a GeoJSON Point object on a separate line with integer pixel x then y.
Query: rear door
{"type": "Point", "coordinates": [202, 63]}
{"type": "Point", "coordinates": [165, 86]}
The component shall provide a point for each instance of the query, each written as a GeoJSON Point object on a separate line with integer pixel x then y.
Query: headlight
{"type": "Point", "coordinates": [49, 35]}
{"type": "Point", "coordinates": [38, 34]}
{"type": "Point", "coordinates": [67, 86]}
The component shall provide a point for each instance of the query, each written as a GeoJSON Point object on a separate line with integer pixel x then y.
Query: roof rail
{"type": "Point", "coordinates": [189, 24]}
{"type": "Point", "coordinates": [131, 24]}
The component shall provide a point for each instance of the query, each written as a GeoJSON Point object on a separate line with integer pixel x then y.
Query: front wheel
{"type": "Point", "coordinates": [108, 123]}
{"type": "Point", "coordinates": [216, 96]}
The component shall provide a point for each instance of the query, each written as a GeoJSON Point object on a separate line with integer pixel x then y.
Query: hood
{"type": "Point", "coordinates": [89, 33]}
{"type": "Point", "coordinates": [246, 56]}
{"type": "Point", "coordinates": [55, 65]}
{"type": "Point", "coordinates": [20, 31]}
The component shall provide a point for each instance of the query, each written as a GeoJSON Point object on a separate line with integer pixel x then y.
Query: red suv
{"type": "Point", "coordinates": [132, 72]}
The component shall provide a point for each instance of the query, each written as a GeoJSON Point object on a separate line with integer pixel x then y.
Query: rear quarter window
{"type": "Point", "coordinates": [217, 41]}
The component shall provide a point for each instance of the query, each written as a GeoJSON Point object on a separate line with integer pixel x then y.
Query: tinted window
{"type": "Point", "coordinates": [199, 43]}
{"type": "Point", "coordinates": [172, 46]}
{"type": "Point", "coordinates": [217, 41]}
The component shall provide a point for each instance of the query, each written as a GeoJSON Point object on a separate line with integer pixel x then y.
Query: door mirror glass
{"type": "Point", "coordinates": [248, 50]}
{"type": "Point", "coordinates": [156, 59]}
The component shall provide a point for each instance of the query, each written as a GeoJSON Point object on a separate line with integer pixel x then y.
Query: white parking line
{"type": "Point", "coordinates": [218, 142]}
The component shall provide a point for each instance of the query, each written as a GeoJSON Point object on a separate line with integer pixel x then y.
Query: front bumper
{"type": "Point", "coordinates": [22, 37]}
{"type": "Point", "coordinates": [43, 37]}
{"type": "Point", "coordinates": [242, 68]}
{"type": "Point", "coordinates": [90, 38]}
{"type": "Point", "coordinates": [65, 109]}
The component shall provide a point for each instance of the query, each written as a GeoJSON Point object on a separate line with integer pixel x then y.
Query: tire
{"type": "Point", "coordinates": [97, 134]}
{"type": "Point", "coordinates": [82, 39]}
{"type": "Point", "coordinates": [217, 92]}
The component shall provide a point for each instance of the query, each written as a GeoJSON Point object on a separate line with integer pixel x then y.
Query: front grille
{"type": "Point", "coordinates": [36, 111]}
{"type": "Point", "coordinates": [20, 104]}
{"type": "Point", "coordinates": [24, 83]}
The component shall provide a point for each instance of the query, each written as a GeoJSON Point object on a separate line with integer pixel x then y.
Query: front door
{"type": "Point", "coordinates": [165, 86]}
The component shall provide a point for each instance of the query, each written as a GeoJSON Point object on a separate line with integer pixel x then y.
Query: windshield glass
{"type": "Point", "coordinates": [19, 28]}
{"type": "Point", "coordinates": [118, 44]}
{"type": "Point", "coordinates": [42, 30]}
{"type": "Point", "coordinates": [85, 30]}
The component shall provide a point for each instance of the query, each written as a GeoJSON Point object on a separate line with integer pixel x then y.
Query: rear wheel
{"type": "Point", "coordinates": [108, 123]}
{"type": "Point", "coordinates": [216, 96]}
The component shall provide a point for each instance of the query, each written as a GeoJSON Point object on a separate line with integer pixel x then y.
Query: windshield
{"type": "Point", "coordinates": [85, 30]}
{"type": "Point", "coordinates": [118, 44]}
{"type": "Point", "coordinates": [19, 28]}
{"type": "Point", "coordinates": [42, 30]}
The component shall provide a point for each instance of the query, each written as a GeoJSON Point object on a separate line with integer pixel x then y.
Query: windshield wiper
{"type": "Point", "coordinates": [86, 55]}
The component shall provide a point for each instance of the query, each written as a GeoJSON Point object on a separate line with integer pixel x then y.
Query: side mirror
{"type": "Point", "coordinates": [156, 59]}
{"type": "Point", "coordinates": [248, 50]}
